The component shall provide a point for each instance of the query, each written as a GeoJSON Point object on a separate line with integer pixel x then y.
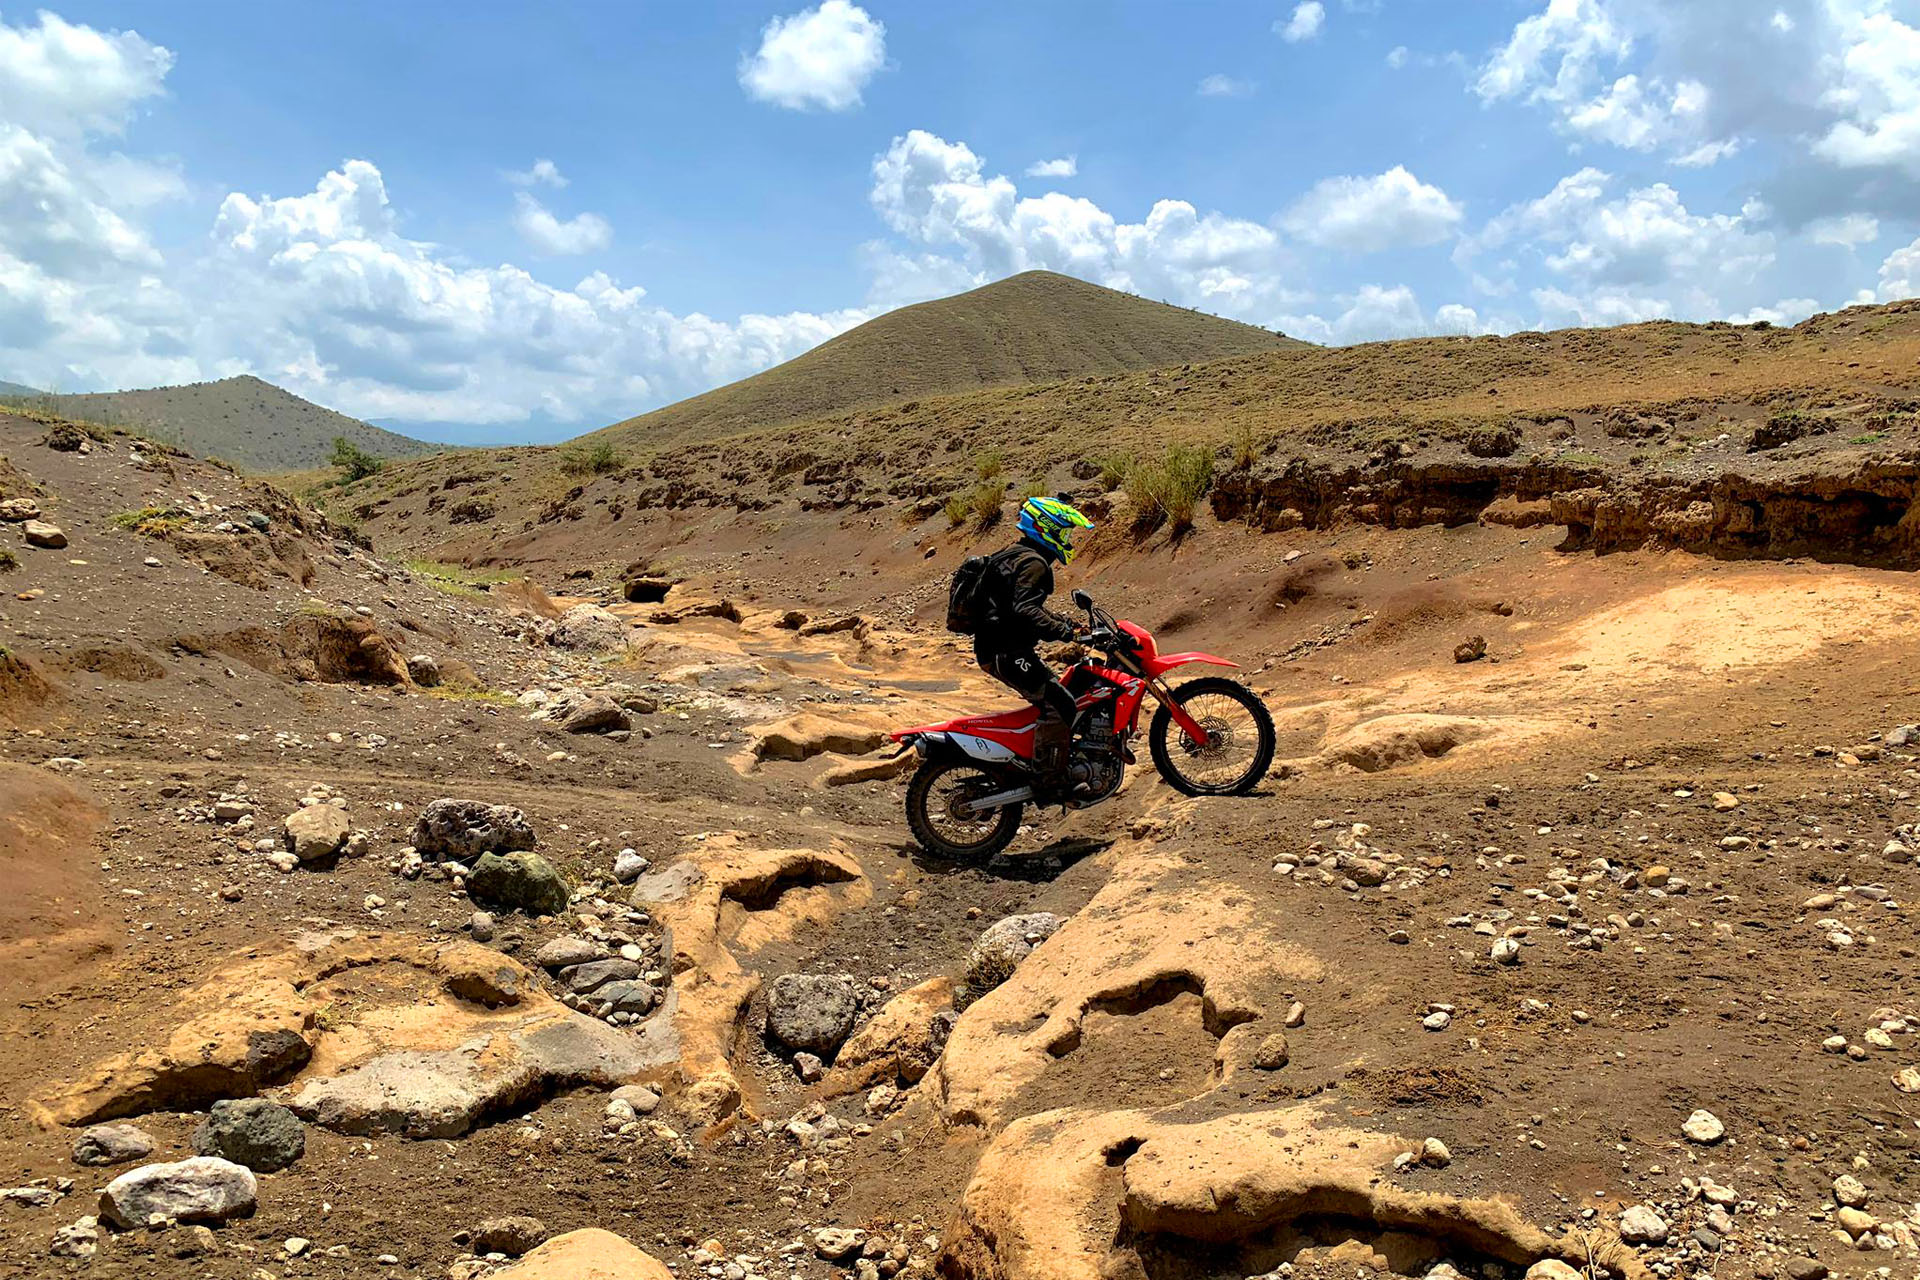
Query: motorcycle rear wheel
{"type": "Point", "coordinates": [1240, 745]}
{"type": "Point", "coordinates": [932, 794]}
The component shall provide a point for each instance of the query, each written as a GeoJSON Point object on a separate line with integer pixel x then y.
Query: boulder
{"type": "Point", "coordinates": [808, 734]}
{"type": "Point", "coordinates": [901, 1041]}
{"type": "Point", "coordinates": [518, 882]}
{"type": "Point", "coordinates": [317, 831]}
{"type": "Point", "coordinates": [589, 628]}
{"type": "Point", "coordinates": [443, 1093]}
{"type": "Point", "coordinates": [103, 1144]}
{"type": "Point", "coordinates": [597, 715]}
{"type": "Point", "coordinates": [1004, 945]}
{"type": "Point", "coordinates": [41, 534]}
{"type": "Point", "coordinates": [1641, 1225]}
{"type": "Point", "coordinates": [264, 1136]}
{"type": "Point", "coordinates": [200, 1189]}
{"type": "Point", "coordinates": [465, 829]}
{"type": "Point", "coordinates": [1472, 649]}
{"type": "Point", "coordinates": [587, 1254]}
{"type": "Point", "coordinates": [813, 1011]}
{"type": "Point", "coordinates": [19, 510]}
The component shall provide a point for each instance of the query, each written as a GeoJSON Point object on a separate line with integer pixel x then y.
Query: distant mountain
{"type": "Point", "coordinates": [9, 389]}
{"type": "Point", "coordinates": [250, 423]}
{"type": "Point", "coordinates": [1031, 328]}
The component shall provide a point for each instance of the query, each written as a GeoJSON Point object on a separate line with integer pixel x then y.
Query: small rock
{"type": "Point", "coordinates": [565, 952]}
{"type": "Point", "coordinates": [512, 1235]}
{"type": "Point", "coordinates": [77, 1239]}
{"type": "Point", "coordinates": [1272, 1054]}
{"type": "Point", "coordinates": [1799, 1268]}
{"type": "Point", "coordinates": [1641, 1225]}
{"type": "Point", "coordinates": [1472, 649]}
{"type": "Point", "coordinates": [1855, 1222]}
{"type": "Point", "coordinates": [1296, 1016]}
{"type": "Point", "coordinates": [480, 926]}
{"type": "Point", "coordinates": [833, 1244]}
{"type": "Point", "coordinates": [41, 534]}
{"type": "Point", "coordinates": [1434, 1154]}
{"type": "Point", "coordinates": [1006, 942]}
{"type": "Point", "coordinates": [424, 670]}
{"type": "Point", "coordinates": [1849, 1192]}
{"type": "Point", "coordinates": [518, 882]}
{"type": "Point", "coordinates": [1703, 1127]}
{"type": "Point", "coordinates": [815, 1012]}
{"type": "Point", "coordinates": [317, 831]}
{"type": "Point", "coordinates": [200, 1189]}
{"type": "Point", "coordinates": [629, 866]}
{"type": "Point", "coordinates": [111, 1144]}
{"type": "Point", "coordinates": [809, 1068]}
{"type": "Point", "coordinates": [1439, 1020]}
{"type": "Point", "coordinates": [1548, 1269]}
{"type": "Point", "coordinates": [1505, 951]}
{"type": "Point", "coordinates": [464, 829]}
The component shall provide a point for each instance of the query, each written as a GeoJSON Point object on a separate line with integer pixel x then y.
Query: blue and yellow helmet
{"type": "Point", "coordinates": [1051, 523]}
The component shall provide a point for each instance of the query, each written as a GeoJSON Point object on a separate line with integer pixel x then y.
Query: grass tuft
{"type": "Point", "coordinates": [1168, 490]}
{"type": "Point", "coordinates": [591, 459]}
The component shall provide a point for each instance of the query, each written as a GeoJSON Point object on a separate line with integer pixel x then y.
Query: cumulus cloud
{"type": "Point", "coordinates": [1065, 167]}
{"type": "Point", "coordinates": [551, 237]}
{"type": "Point", "coordinates": [1900, 274]}
{"type": "Point", "coordinates": [1307, 20]}
{"type": "Point", "coordinates": [329, 294]}
{"type": "Point", "coordinates": [1829, 81]}
{"type": "Point", "coordinates": [818, 58]}
{"type": "Point", "coordinates": [1620, 257]}
{"type": "Point", "coordinates": [1222, 86]}
{"type": "Point", "coordinates": [940, 194]}
{"type": "Point", "coordinates": [1364, 215]}
{"type": "Point", "coordinates": [71, 80]}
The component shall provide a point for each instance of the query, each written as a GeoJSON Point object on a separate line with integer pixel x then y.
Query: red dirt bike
{"type": "Point", "coordinates": [1209, 737]}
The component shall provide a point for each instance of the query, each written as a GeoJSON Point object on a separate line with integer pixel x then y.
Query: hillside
{"type": "Point", "coordinates": [250, 423]}
{"type": "Point", "coordinates": [1031, 328]}
{"type": "Point", "coordinates": [17, 389]}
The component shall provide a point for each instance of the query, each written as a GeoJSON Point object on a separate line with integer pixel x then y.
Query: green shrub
{"type": "Point", "coordinates": [1114, 470]}
{"type": "Point", "coordinates": [591, 459]}
{"type": "Point", "coordinates": [1033, 489]}
{"type": "Point", "coordinates": [990, 464]}
{"type": "Point", "coordinates": [1168, 490]}
{"type": "Point", "coordinates": [8, 561]}
{"type": "Point", "coordinates": [958, 508]}
{"type": "Point", "coordinates": [352, 459]}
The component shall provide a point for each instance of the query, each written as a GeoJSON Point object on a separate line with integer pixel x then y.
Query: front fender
{"type": "Point", "coordinates": [1168, 661]}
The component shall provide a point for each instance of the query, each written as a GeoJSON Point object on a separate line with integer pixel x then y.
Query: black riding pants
{"type": "Point", "coordinates": [1022, 671]}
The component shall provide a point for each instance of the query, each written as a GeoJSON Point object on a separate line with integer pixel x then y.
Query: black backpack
{"type": "Point", "coordinates": [974, 593]}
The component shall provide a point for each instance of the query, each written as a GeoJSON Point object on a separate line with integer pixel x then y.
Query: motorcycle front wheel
{"type": "Point", "coordinates": [1239, 746]}
{"type": "Point", "coordinates": [936, 814]}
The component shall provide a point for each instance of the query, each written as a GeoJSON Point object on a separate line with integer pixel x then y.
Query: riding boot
{"type": "Point", "coordinates": [1052, 745]}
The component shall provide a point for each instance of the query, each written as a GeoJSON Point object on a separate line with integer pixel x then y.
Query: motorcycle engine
{"type": "Point", "coordinates": [1095, 773]}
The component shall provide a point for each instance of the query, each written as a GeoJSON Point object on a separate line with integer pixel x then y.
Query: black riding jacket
{"type": "Point", "coordinates": [1020, 618]}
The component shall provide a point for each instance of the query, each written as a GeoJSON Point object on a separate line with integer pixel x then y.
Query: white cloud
{"type": "Point", "coordinates": [1364, 215]}
{"type": "Point", "coordinates": [1065, 167]}
{"type": "Point", "coordinates": [550, 237]}
{"type": "Point", "coordinates": [817, 58]}
{"type": "Point", "coordinates": [939, 193]}
{"type": "Point", "coordinates": [543, 173]}
{"type": "Point", "coordinates": [1875, 89]}
{"type": "Point", "coordinates": [1786, 311]}
{"type": "Point", "coordinates": [1397, 56]}
{"type": "Point", "coordinates": [1375, 313]}
{"type": "Point", "coordinates": [1849, 230]}
{"type": "Point", "coordinates": [71, 80]}
{"type": "Point", "coordinates": [1900, 274]}
{"type": "Point", "coordinates": [1308, 18]}
{"type": "Point", "coordinates": [1222, 86]}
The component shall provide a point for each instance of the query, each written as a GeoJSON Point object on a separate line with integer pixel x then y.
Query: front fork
{"type": "Point", "coordinates": [1188, 725]}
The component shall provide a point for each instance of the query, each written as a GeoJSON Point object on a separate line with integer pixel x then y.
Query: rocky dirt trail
{"type": "Point", "coordinates": [382, 918]}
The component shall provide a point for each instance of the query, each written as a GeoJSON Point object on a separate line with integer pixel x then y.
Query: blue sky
{"type": "Point", "coordinates": [494, 222]}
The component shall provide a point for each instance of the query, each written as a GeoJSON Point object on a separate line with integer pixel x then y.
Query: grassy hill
{"type": "Point", "coordinates": [250, 423]}
{"type": "Point", "coordinates": [11, 389]}
{"type": "Point", "coordinates": [1031, 328]}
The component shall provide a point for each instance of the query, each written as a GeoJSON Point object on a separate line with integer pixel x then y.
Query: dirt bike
{"type": "Point", "coordinates": [1209, 737]}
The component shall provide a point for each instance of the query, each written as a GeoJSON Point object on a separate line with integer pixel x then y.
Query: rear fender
{"type": "Point", "coordinates": [935, 744]}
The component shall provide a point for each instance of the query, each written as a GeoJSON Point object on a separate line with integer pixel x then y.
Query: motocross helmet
{"type": "Point", "coordinates": [1053, 525]}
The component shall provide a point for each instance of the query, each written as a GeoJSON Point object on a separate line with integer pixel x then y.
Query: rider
{"type": "Point", "coordinates": [1017, 619]}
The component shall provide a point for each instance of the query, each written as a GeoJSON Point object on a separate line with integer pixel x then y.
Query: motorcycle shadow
{"type": "Point", "coordinates": [1031, 866]}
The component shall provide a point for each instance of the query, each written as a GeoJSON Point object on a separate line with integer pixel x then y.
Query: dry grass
{"type": "Point", "coordinates": [1167, 490]}
{"type": "Point", "coordinates": [253, 424]}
